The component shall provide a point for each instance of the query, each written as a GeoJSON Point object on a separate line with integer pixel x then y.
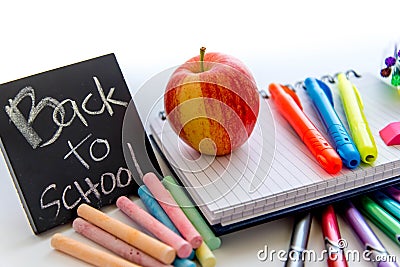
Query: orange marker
{"type": "Point", "coordinates": [290, 107]}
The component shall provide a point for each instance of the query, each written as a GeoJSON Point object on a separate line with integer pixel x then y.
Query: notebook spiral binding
{"type": "Point", "coordinates": [331, 78]}
{"type": "Point", "coordinates": [300, 84]}
{"type": "Point", "coordinates": [326, 78]}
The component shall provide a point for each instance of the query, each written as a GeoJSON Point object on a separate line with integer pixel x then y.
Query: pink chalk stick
{"type": "Point", "coordinates": [151, 224]}
{"type": "Point", "coordinates": [172, 209]}
{"type": "Point", "coordinates": [114, 244]}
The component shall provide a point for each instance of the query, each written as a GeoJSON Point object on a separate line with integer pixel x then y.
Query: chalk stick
{"type": "Point", "coordinates": [155, 209]}
{"type": "Point", "coordinates": [130, 235]}
{"type": "Point", "coordinates": [172, 209]}
{"type": "Point", "coordinates": [151, 224]}
{"type": "Point", "coordinates": [114, 244]}
{"type": "Point", "coordinates": [192, 213]}
{"type": "Point", "coordinates": [205, 256]}
{"type": "Point", "coordinates": [183, 263]}
{"type": "Point", "coordinates": [87, 253]}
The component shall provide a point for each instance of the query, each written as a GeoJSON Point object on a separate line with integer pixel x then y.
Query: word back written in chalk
{"type": "Point", "coordinates": [61, 136]}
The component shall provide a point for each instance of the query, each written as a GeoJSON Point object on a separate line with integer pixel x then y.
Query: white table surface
{"type": "Point", "coordinates": [280, 41]}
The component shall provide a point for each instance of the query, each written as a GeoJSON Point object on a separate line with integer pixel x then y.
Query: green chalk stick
{"type": "Point", "coordinates": [192, 213]}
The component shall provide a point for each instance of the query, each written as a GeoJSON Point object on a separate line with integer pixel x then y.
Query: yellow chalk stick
{"type": "Point", "coordinates": [87, 253]}
{"type": "Point", "coordinates": [130, 235]}
{"type": "Point", "coordinates": [205, 256]}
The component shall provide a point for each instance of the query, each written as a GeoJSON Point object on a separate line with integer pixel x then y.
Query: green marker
{"type": "Point", "coordinates": [389, 204]}
{"type": "Point", "coordinates": [192, 213]}
{"type": "Point", "coordinates": [381, 218]}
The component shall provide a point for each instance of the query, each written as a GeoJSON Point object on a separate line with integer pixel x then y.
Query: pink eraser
{"type": "Point", "coordinates": [391, 134]}
{"type": "Point", "coordinates": [172, 209]}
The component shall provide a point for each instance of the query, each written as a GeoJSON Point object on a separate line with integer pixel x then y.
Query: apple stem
{"type": "Point", "coordinates": [202, 52]}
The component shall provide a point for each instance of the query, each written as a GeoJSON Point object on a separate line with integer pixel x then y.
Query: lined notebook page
{"type": "Point", "coordinates": [274, 169]}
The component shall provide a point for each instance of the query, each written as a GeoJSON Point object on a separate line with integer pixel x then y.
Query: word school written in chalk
{"type": "Point", "coordinates": [106, 185]}
{"type": "Point", "coordinates": [59, 112]}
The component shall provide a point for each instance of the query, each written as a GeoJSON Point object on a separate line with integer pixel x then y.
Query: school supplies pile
{"type": "Point", "coordinates": [296, 165]}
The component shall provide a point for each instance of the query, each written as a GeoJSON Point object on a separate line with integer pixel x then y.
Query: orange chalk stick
{"type": "Point", "coordinates": [116, 245]}
{"type": "Point", "coordinates": [130, 235]}
{"type": "Point", "coordinates": [87, 253]}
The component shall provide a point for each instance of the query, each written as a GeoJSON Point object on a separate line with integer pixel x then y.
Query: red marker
{"type": "Point", "coordinates": [290, 107]}
{"type": "Point", "coordinates": [333, 241]}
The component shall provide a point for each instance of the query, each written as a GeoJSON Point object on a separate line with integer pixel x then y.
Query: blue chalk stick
{"type": "Point", "coordinates": [183, 263]}
{"type": "Point", "coordinates": [155, 209]}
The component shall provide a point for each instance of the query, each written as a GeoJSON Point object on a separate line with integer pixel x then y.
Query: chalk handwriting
{"type": "Point", "coordinates": [135, 162]}
{"type": "Point", "coordinates": [58, 117]}
{"type": "Point", "coordinates": [48, 205]}
{"type": "Point", "coordinates": [106, 100]}
{"type": "Point", "coordinates": [95, 158]}
{"type": "Point", "coordinates": [99, 141]}
{"type": "Point", "coordinates": [59, 110]}
{"type": "Point", "coordinates": [25, 126]}
{"type": "Point", "coordinates": [93, 189]}
{"type": "Point", "coordinates": [73, 151]}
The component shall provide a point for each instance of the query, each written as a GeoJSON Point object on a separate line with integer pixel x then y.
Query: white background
{"type": "Point", "coordinates": [280, 41]}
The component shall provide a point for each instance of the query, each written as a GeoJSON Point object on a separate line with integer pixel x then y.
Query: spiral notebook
{"type": "Point", "coordinates": [273, 174]}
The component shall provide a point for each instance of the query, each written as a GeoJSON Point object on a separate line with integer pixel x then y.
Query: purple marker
{"type": "Point", "coordinates": [393, 192]}
{"type": "Point", "coordinates": [367, 237]}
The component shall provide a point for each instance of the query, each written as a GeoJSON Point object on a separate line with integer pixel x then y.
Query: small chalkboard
{"type": "Point", "coordinates": [61, 135]}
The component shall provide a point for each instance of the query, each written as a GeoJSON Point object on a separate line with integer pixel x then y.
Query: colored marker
{"type": "Point", "coordinates": [115, 245]}
{"type": "Point", "coordinates": [381, 218]}
{"type": "Point", "coordinates": [155, 209]}
{"type": "Point", "coordinates": [87, 253]}
{"type": "Point", "coordinates": [172, 209]}
{"type": "Point", "coordinates": [152, 225]}
{"type": "Point", "coordinates": [358, 124]}
{"type": "Point", "coordinates": [332, 238]}
{"type": "Point", "coordinates": [299, 240]}
{"type": "Point", "coordinates": [321, 96]}
{"type": "Point", "coordinates": [389, 204]}
{"type": "Point", "coordinates": [366, 236]}
{"type": "Point", "coordinates": [192, 213]}
{"type": "Point", "coordinates": [130, 235]}
{"type": "Point", "coordinates": [393, 192]}
{"type": "Point", "coordinates": [289, 106]}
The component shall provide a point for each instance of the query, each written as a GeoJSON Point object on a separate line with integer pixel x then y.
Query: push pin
{"type": "Point", "coordinates": [392, 68]}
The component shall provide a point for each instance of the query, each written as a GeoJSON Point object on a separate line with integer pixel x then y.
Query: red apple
{"type": "Point", "coordinates": [212, 103]}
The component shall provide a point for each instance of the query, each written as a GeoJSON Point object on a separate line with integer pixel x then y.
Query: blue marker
{"type": "Point", "coordinates": [389, 204]}
{"type": "Point", "coordinates": [155, 209]}
{"type": "Point", "coordinates": [321, 96]}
